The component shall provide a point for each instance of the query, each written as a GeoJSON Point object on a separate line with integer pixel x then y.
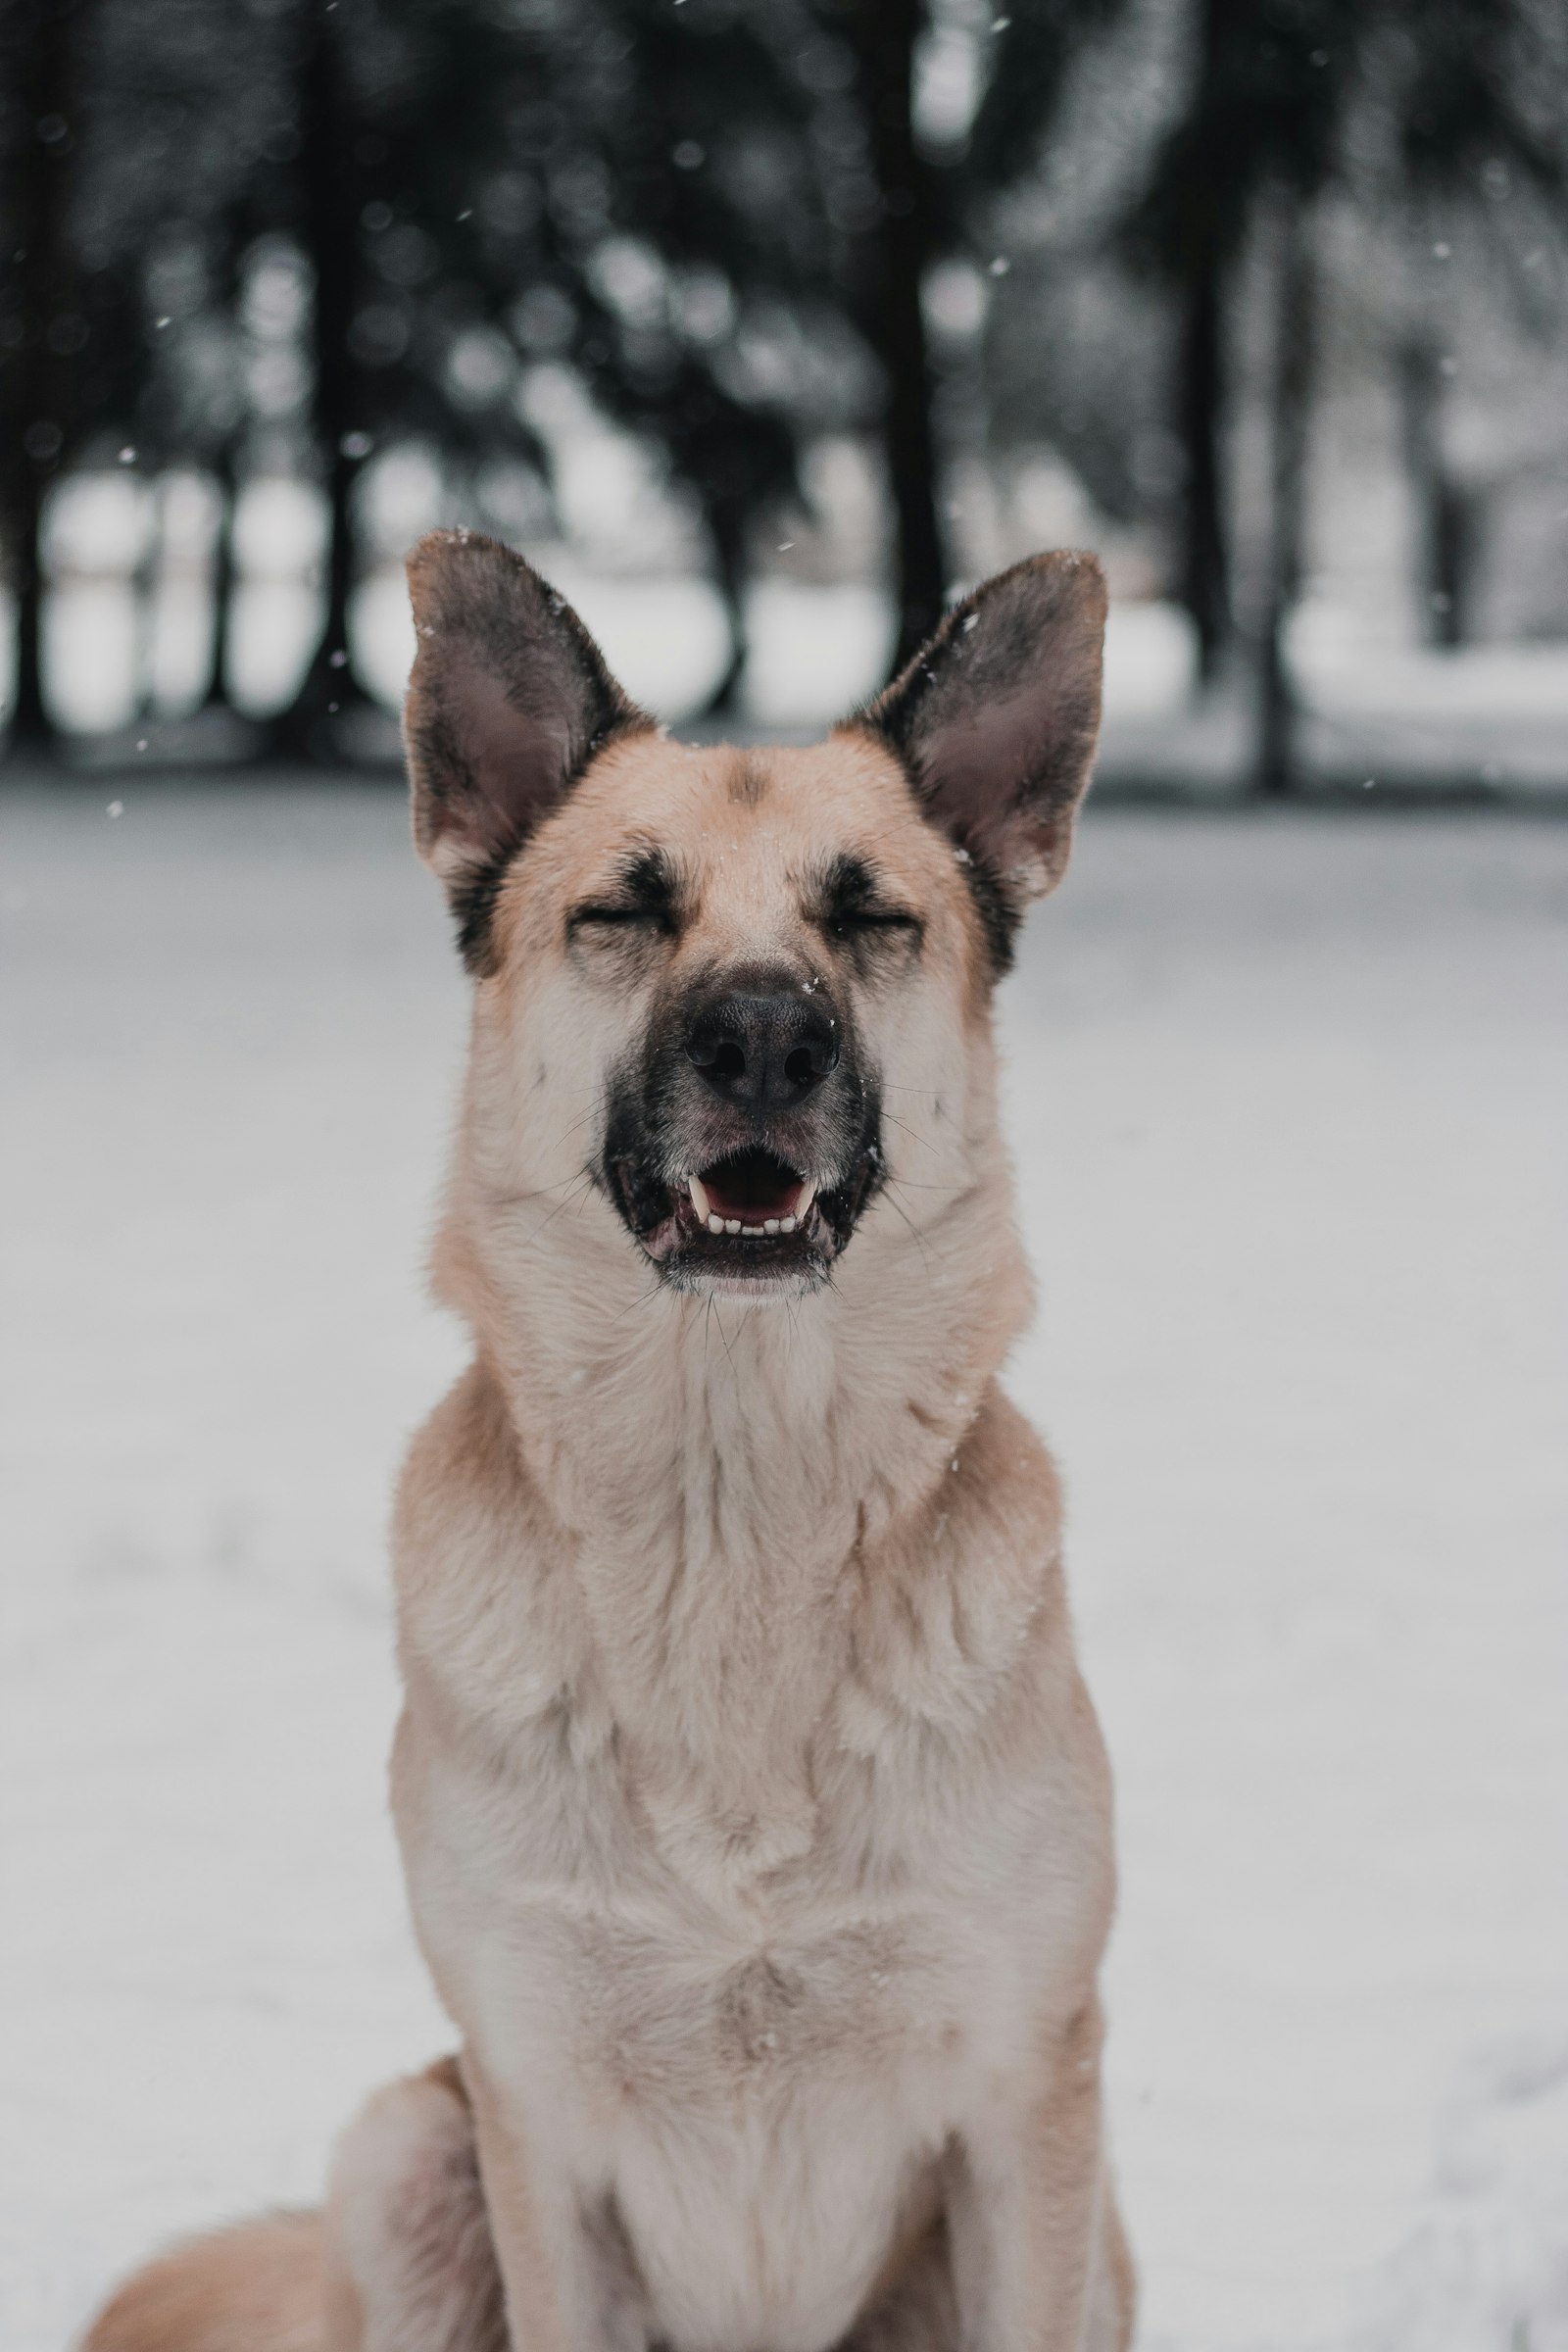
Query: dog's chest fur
{"type": "Point", "coordinates": [742, 1868]}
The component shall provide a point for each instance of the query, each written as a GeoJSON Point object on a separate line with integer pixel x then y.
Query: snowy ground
{"type": "Point", "coordinates": [1290, 1109]}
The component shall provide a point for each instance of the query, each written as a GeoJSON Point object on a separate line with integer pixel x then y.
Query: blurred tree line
{"type": "Point", "coordinates": [291, 233]}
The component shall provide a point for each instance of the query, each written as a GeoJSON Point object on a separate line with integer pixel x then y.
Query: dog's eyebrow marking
{"type": "Point", "coordinates": [849, 883]}
{"type": "Point", "coordinates": [747, 781]}
{"type": "Point", "coordinates": [649, 879]}
{"type": "Point", "coordinates": [849, 894]}
{"type": "Point", "coordinates": [645, 887]}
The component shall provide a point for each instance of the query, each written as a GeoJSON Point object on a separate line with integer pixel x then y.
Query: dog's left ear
{"type": "Point", "coordinates": [997, 717]}
{"type": "Point", "coordinates": [508, 701]}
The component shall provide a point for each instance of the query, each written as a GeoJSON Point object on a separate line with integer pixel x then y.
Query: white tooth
{"type": "Point", "coordinates": [699, 1193]}
{"type": "Point", "coordinates": [786, 1224]}
{"type": "Point", "coordinates": [807, 1196]}
{"type": "Point", "coordinates": [770, 1224]}
{"type": "Point", "coordinates": [732, 1225]}
{"type": "Point", "coordinates": [716, 1224]}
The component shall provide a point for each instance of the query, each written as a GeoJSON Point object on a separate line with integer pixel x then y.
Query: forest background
{"type": "Point", "coordinates": [764, 324]}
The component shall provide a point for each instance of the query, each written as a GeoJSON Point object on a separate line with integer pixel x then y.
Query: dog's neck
{"type": "Point", "coordinates": [789, 1428]}
{"type": "Point", "coordinates": [715, 1469]}
{"type": "Point", "coordinates": [796, 1413]}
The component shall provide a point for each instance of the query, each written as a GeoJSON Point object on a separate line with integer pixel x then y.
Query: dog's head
{"type": "Point", "coordinates": [720, 986]}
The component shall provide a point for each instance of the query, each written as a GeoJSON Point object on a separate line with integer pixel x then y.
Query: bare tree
{"type": "Point", "coordinates": [38, 377]}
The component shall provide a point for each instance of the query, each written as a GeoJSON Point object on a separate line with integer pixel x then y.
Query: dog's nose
{"type": "Point", "coordinates": [764, 1052]}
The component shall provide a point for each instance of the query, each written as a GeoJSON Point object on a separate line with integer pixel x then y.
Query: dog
{"type": "Point", "coordinates": [756, 1819]}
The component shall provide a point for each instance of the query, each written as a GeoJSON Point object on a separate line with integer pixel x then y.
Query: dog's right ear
{"type": "Point", "coordinates": [508, 701]}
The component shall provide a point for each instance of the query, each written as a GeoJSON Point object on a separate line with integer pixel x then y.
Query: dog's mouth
{"type": "Point", "coordinates": [749, 1195]}
{"type": "Point", "coordinates": [748, 1218]}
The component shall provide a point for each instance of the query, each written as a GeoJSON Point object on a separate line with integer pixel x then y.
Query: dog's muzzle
{"type": "Point", "coordinates": [748, 1153]}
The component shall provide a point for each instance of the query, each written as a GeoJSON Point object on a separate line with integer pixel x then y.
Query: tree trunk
{"type": "Point", "coordinates": [1295, 354]}
{"type": "Point", "coordinates": [885, 34]}
{"type": "Point", "coordinates": [217, 695]}
{"type": "Point", "coordinates": [728, 534]}
{"type": "Point", "coordinates": [328, 182]}
{"type": "Point", "coordinates": [235, 230]}
{"type": "Point", "coordinates": [33, 728]}
{"type": "Point", "coordinates": [1205, 549]}
{"type": "Point", "coordinates": [36, 382]}
{"type": "Point", "coordinates": [1444, 516]}
{"type": "Point", "coordinates": [145, 595]}
{"type": "Point", "coordinates": [1205, 241]}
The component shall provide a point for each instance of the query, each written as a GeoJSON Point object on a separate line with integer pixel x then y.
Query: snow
{"type": "Point", "coordinates": [1288, 1095]}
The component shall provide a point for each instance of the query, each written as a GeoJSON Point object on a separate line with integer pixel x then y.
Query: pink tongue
{"type": "Point", "coordinates": [753, 1213]}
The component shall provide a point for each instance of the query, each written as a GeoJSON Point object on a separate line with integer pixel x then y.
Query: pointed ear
{"type": "Point", "coordinates": [996, 720]}
{"type": "Point", "coordinates": [508, 701]}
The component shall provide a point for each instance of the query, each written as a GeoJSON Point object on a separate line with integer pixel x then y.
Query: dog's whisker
{"type": "Point", "coordinates": [543, 1192]}
{"type": "Point", "coordinates": [574, 1198]}
{"type": "Point", "coordinates": [913, 1184]}
{"type": "Point", "coordinates": [723, 1335]}
{"type": "Point", "coordinates": [916, 1235]}
{"type": "Point", "coordinates": [913, 1132]}
{"type": "Point", "coordinates": [653, 1291]}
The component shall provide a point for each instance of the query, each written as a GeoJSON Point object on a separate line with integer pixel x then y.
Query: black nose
{"type": "Point", "coordinates": [764, 1052]}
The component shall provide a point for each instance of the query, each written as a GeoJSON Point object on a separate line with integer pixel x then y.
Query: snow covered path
{"type": "Point", "coordinates": [1290, 1103]}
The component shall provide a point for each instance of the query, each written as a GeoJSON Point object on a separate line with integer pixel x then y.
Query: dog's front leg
{"type": "Point", "coordinates": [541, 2248]}
{"type": "Point", "coordinates": [1039, 2263]}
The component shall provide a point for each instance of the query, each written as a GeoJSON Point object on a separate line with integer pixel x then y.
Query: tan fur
{"type": "Point", "coordinates": [254, 2289]}
{"type": "Point", "coordinates": [756, 1819]}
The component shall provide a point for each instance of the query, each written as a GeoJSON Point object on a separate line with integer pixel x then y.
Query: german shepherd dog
{"type": "Point", "coordinates": [756, 1819]}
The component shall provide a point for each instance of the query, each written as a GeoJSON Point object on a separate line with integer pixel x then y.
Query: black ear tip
{"type": "Point", "coordinates": [1062, 594]}
{"type": "Point", "coordinates": [454, 540]}
{"type": "Point", "coordinates": [447, 557]}
{"type": "Point", "coordinates": [1072, 577]}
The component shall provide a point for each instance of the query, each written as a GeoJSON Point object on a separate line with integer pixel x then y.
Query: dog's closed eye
{"type": "Point", "coordinates": [643, 897]}
{"type": "Point", "coordinates": [849, 921]}
{"type": "Point", "coordinates": [854, 906]}
{"type": "Point", "coordinates": [652, 919]}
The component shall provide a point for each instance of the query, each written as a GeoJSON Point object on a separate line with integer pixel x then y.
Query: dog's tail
{"type": "Point", "coordinates": [260, 2286]}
